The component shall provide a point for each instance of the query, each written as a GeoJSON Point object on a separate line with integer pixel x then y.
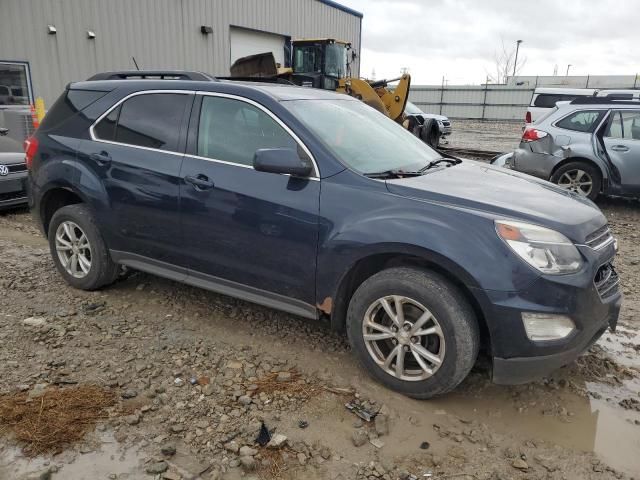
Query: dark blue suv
{"type": "Point", "coordinates": [313, 203]}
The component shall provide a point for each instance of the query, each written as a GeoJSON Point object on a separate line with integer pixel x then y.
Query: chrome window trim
{"type": "Point", "coordinates": [120, 102]}
{"type": "Point", "coordinates": [316, 170]}
{"type": "Point", "coordinates": [316, 174]}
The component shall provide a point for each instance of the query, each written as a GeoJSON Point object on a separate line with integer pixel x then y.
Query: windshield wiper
{"type": "Point", "coordinates": [393, 174]}
{"type": "Point", "coordinates": [435, 163]}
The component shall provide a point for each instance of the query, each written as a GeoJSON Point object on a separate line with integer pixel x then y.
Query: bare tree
{"type": "Point", "coordinates": [503, 64]}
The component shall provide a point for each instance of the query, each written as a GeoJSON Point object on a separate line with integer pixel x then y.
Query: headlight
{"type": "Point", "coordinates": [544, 249]}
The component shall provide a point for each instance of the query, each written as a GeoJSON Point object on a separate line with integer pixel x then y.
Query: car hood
{"type": "Point", "coordinates": [7, 158]}
{"type": "Point", "coordinates": [503, 193]}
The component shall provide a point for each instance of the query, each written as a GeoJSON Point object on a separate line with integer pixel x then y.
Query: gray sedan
{"type": "Point", "coordinates": [13, 172]}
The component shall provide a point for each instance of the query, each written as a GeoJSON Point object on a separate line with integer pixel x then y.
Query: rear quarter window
{"type": "Point", "coordinates": [549, 100]}
{"type": "Point", "coordinates": [582, 121]}
{"type": "Point", "coordinates": [69, 104]}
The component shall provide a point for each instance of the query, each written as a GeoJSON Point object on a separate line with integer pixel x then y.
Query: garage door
{"type": "Point", "coordinates": [249, 42]}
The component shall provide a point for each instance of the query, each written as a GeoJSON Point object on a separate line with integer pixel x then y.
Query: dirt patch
{"type": "Point", "coordinates": [54, 419]}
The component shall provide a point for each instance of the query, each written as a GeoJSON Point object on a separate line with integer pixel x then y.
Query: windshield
{"type": "Point", "coordinates": [362, 138]}
{"type": "Point", "coordinates": [307, 59]}
{"type": "Point", "coordinates": [336, 60]}
{"type": "Point", "coordinates": [411, 109]}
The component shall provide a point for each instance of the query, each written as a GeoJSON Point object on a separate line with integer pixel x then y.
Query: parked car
{"type": "Point", "coordinates": [590, 146]}
{"type": "Point", "coordinates": [13, 172]}
{"type": "Point", "coordinates": [431, 128]}
{"type": "Point", "coordinates": [13, 95]}
{"type": "Point", "coordinates": [313, 203]}
{"type": "Point", "coordinates": [544, 99]}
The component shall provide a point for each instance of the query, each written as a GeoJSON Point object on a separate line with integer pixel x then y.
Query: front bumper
{"type": "Point", "coordinates": [12, 190]}
{"type": "Point", "coordinates": [516, 358]}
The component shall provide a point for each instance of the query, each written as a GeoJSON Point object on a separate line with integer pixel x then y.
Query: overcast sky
{"type": "Point", "coordinates": [459, 38]}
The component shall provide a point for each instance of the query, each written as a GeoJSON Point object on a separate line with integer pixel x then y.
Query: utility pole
{"type": "Point", "coordinates": [568, 67]}
{"type": "Point", "coordinates": [515, 63]}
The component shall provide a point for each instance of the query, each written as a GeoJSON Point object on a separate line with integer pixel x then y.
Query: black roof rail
{"type": "Point", "coordinates": [153, 74]}
{"type": "Point", "coordinates": [605, 100]}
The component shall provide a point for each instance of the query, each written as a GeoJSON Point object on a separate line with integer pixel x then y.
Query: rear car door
{"type": "Point", "coordinates": [136, 152]}
{"type": "Point", "coordinates": [622, 144]}
{"type": "Point", "coordinates": [248, 233]}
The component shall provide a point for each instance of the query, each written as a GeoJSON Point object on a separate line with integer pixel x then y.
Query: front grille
{"type": "Point", "coordinates": [446, 123]}
{"type": "Point", "coordinates": [7, 197]}
{"type": "Point", "coordinates": [607, 281]}
{"type": "Point", "coordinates": [17, 167]}
{"type": "Point", "coordinates": [600, 238]}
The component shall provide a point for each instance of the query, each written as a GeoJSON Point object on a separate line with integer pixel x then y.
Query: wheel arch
{"type": "Point", "coordinates": [54, 199]}
{"type": "Point", "coordinates": [373, 263]}
{"type": "Point", "coordinates": [603, 173]}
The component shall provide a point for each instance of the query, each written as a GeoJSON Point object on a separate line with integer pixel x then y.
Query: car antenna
{"type": "Point", "coordinates": [135, 63]}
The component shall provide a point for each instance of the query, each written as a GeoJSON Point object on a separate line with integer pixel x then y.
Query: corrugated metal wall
{"type": "Point", "coordinates": [495, 102]}
{"type": "Point", "coordinates": [160, 34]}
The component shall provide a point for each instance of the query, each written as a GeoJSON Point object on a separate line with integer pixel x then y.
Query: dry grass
{"type": "Point", "coordinates": [59, 417]}
{"type": "Point", "coordinates": [276, 465]}
{"type": "Point", "coordinates": [296, 386]}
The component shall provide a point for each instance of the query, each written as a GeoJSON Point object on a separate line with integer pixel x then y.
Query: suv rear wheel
{"type": "Point", "coordinates": [413, 331]}
{"type": "Point", "coordinates": [77, 249]}
{"type": "Point", "coordinates": [579, 177]}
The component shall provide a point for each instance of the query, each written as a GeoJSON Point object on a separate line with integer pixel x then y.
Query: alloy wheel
{"type": "Point", "coordinates": [403, 337]}
{"type": "Point", "coordinates": [577, 181]}
{"type": "Point", "coordinates": [74, 249]}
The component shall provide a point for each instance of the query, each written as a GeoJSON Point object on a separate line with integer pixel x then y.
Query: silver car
{"type": "Point", "coordinates": [590, 146]}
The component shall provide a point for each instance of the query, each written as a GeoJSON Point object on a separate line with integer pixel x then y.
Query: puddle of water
{"type": "Point", "coordinates": [107, 459]}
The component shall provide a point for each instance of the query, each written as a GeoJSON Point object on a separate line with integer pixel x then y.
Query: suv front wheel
{"type": "Point", "coordinates": [413, 331]}
{"type": "Point", "coordinates": [78, 250]}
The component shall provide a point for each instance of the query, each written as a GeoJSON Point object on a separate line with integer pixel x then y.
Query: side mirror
{"type": "Point", "coordinates": [281, 160]}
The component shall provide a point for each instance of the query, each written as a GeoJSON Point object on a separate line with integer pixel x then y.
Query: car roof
{"type": "Point", "coordinates": [279, 92]}
{"type": "Point", "coordinates": [566, 91]}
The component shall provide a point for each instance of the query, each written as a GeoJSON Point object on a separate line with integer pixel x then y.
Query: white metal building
{"type": "Point", "coordinates": [45, 44]}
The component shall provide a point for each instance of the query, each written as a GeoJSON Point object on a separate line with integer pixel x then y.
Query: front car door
{"type": "Point", "coordinates": [247, 233]}
{"type": "Point", "coordinates": [136, 151]}
{"type": "Point", "coordinates": [622, 144]}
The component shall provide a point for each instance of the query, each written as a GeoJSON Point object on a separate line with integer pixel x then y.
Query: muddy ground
{"type": "Point", "coordinates": [492, 136]}
{"type": "Point", "coordinates": [144, 338]}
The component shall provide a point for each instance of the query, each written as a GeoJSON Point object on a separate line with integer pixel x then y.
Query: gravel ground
{"type": "Point", "coordinates": [488, 135]}
{"type": "Point", "coordinates": [197, 373]}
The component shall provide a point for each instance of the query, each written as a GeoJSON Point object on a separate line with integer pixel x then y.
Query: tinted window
{"type": "Point", "coordinates": [624, 125]}
{"type": "Point", "coordinates": [583, 121]}
{"type": "Point", "coordinates": [69, 104]}
{"type": "Point", "coordinates": [548, 100]}
{"type": "Point", "coordinates": [105, 129]}
{"type": "Point", "coordinates": [151, 120]}
{"type": "Point", "coordinates": [233, 130]}
{"type": "Point", "coordinates": [13, 84]}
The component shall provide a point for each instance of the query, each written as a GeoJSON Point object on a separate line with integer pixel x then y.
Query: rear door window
{"type": "Point", "coordinates": [582, 121]}
{"type": "Point", "coordinates": [151, 120]}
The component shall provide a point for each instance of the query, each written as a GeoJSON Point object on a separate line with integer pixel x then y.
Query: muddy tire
{"type": "Point", "coordinates": [579, 177]}
{"type": "Point", "coordinates": [413, 331]}
{"type": "Point", "coordinates": [78, 250]}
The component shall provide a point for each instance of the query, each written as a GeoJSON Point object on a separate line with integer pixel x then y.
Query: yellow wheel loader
{"type": "Point", "coordinates": [326, 63]}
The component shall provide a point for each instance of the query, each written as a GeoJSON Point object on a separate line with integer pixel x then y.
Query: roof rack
{"type": "Point", "coordinates": [612, 99]}
{"type": "Point", "coordinates": [153, 75]}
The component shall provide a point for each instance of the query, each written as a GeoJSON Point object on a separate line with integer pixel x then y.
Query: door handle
{"type": "Point", "coordinates": [102, 158]}
{"type": "Point", "coordinates": [200, 182]}
{"type": "Point", "coordinates": [620, 148]}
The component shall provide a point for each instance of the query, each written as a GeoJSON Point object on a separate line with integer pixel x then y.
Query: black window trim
{"type": "Point", "coordinates": [120, 102]}
{"type": "Point", "coordinates": [316, 171]}
{"type": "Point", "coordinates": [605, 116]}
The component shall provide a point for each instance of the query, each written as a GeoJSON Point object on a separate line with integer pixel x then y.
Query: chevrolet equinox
{"type": "Point", "coordinates": [313, 203]}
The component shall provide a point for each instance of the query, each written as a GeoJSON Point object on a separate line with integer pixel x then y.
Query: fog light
{"type": "Point", "coordinates": [547, 326]}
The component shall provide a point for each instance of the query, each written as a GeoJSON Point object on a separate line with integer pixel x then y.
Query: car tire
{"type": "Point", "coordinates": [430, 133]}
{"type": "Point", "coordinates": [569, 172]}
{"type": "Point", "coordinates": [457, 337]}
{"type": "Point", "coordinates": [75, 225]}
